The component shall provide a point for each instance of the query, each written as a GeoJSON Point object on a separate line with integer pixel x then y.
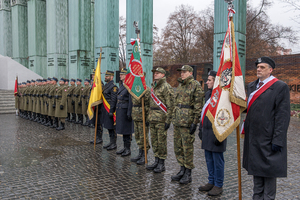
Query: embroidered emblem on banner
{"type": "Point", "coordinates": [138, 88]}
{"type": "Point", "coordinates": [226, 77]}
{"type": "Point", "coordinates": [223, 117]}
{"type": "Point", "coordinates": [214, 100]}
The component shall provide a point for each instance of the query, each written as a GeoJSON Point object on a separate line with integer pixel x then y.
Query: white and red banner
{"type": "Point", "coordinates": [228, 97]}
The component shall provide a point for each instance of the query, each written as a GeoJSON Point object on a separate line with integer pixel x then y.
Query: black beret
{"type": "Point", "coordinates": [267, 60]}
{"type": "Point", "coordinates": [212, 73]}
{"type": "Point", "coordinates": [86, 80]}
{"type": "Point", "coordinates": [49, 79]}
{"type": "Point", "coordinates": [62, 79]}
{"type": "Point", "coordinates": [79, 80]}
{"type": "Point", "coordinates": [54, 79]}
{"type": "Point", "coordinates": [73, 80]}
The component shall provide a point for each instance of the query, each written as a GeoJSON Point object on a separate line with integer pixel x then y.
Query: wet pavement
{"type": "Point", "coordinates": [37, 162]}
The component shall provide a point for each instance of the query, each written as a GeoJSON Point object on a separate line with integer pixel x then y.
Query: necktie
{"type": "Point", "coordinates": [260, 84]}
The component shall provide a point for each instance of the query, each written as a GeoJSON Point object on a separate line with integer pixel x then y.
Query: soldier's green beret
{"type": "Point", "coordinates": [185, 68]}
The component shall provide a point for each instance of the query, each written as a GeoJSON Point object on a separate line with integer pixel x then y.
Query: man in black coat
{"type": "Point", "coordinates": [124, 123]}
{"type": "Point", "coordinates": [265, 128]}
{"type": "Point", "coordinates": [213, 148]}
{"type": "Point", "coordinates": [110, 91]}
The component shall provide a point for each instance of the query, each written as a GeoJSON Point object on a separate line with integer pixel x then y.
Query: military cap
{"type": "Point", "coordinates": [62, 79]}
{"type": "Point", "coordinates": [28, 81]}
{"type": "Point", "coordinates": [212, 73]}
{"type": "Point", "coordinates": [267, 60]}
{"type": "Point", "coordinates": [109, 73]}
{"type": "Point", "coordinates": [185, 68]}
{"type": "Point", "coordinates": [87, 80]}
{"type": "Point", "coordinates": [44, 80]}
{"type": "Point", "coordinates": [23, 83]}
{"type": "Point", "coordinates": [32, 81]}
{"type": "Point", "coordinates": [93, 71]}
{"type": "Point", "coordinates": [39, 80]}
{"type": "Point", "coordinates": [66, 79]}
{"type": "Point", "coordinates": [54, 79]}
{"type": "Point", "coordinates": [123, 71]}
{"type": "Point", "coordinates": [79, 80]}
{"type": "Point", "coordinates": [159, 69]}
{"type": "Point", "coordinates": [73, 80]}
{"type": "Point", "coordinates": [49, 79]}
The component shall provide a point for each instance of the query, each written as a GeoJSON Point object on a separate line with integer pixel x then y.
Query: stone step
{"type": "Point", "coordinates": [7, 111]}
{"type": "Point", "coordinates": [6, 103]}
{"type": "Point", "coordinates": [7, 107]}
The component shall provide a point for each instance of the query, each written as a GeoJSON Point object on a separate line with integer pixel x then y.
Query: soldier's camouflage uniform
{"type": "Point", "coordinates": [137, 117]}
{"type": "Point", "coordinates": [188, 103]}
{"type": "Point", "coordinates": [158, 118]}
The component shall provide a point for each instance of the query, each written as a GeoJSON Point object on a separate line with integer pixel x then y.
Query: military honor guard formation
{"type": "Point", "coordinates": [266, 123]}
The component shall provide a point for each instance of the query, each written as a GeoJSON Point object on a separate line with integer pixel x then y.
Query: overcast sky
{"type": "Point", "coordinates": [279, 13]}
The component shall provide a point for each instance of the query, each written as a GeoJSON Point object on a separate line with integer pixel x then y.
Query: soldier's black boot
{"type": "Point", "coordinates": [110, 142]}
{"type": "Point", "coordinates": [135, 159]}
{"type": "Point", "coordinates": [86, 123]}
{"type": "Point", "coordinates": [32, 117]}
{"type": "Point", "coordinates": [98, 138]}
{"type": "Point", "coordinates": [179, 175]}
{"type": "Point", "coordinates": [160, 167]}
{"type": "Point", "coordinates": [52, 123]}
{"type": "Point", "coordinates": [49, 122]}
{"type": "Point", "coordinates": [154, 165]}
{"type": "Point", "coordinates": [127, 151]}
{"type": "Point", "coordinates": [55, 124]}
{"type": "Point", "coordinates": [141, 161]}
{"type": "Point", "coordinates": [61, 127]}
{"type": "Point", "coordinates": [37, 117]}
{"type": "Point", "coordinates": [45, 120]}
{"type": "Point", "coordinates": [79, 119]}
{"type": "Point", "coordinates": [187, 177]}
{"type": "Point", "coordinates": [113, 144]}
{"type": "Point", "coordinates": [73, 120]}
{"type": "Point", "coordinates": [68, 117]}
{"type": "Point", "coordinates": [122, 150]}
{"type": "Point", "coordinates": [41, 119]}
{"type": "Point", "coordinates": [26, 115]}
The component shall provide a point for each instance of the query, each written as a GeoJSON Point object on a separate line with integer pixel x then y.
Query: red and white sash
{"type": "Point", "coordinates": [158, 102]}
{"type": "Point", "coordinates": [204, 110]}
{"type": "Point", "coordinates": [255, 94]}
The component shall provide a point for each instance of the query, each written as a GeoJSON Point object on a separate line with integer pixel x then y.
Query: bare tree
{"type": "Point", "coordinates": [122, 42]}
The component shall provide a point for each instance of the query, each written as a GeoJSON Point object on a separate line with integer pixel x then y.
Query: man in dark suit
{"type": "Point", "coordinates": [265, 128]}
{"type": "Point", "coordinates": [124, 123]}
{"type": "Point", "coordinates": [110, 91]}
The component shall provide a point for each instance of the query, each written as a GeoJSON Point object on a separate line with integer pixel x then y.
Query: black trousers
{"type": "Point", "coordinates": [264, 188]}
{"type": "Point", "coordinates": [127, 139]}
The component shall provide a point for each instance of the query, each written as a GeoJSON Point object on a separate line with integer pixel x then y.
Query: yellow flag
{"type": "Point", "coordinates": [96, 93]}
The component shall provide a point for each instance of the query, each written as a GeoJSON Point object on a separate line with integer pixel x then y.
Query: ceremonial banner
{"type": "Point", "coordinates": [16, 87]}
{"type": "Point", "coordinates": [96, 92]}
{"type": "Point", "coordinates": [228, 97]}
{"type": "Point", "coordinates": [135, 80]}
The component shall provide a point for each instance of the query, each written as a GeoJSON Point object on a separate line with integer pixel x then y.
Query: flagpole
{"type": "Point", "coordinates": [96, 122]}
{"type": "Point", "coordinates": [137, 31]}
{"type": "Point", "coordinates": [239, 160]}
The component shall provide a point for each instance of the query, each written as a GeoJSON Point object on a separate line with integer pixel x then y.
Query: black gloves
{"type": "Point", "coordinates": [193, 128]}
{"type": "Point", "coordinates": [87, 103]}
{"type": "Point", "coordinates": [167, 126]}
{"type": "Point", "coordinates": [217, 143]}
{"type": "Point", "coordinates": [200, 133]}
{"type": "Point", "coordinates": [111, 115]}
{"type": "Point", "coordinates": [27, 102]}
{"type": "Point", "coordinates": [61, 107]}
{"type": "Point", "coordinates": [147, 124]}
{"type": "Point", "coordinates": [53, 106]}
{"type": "Point", "coordinates": [73, 103]}
{"type": "Point", "coordinates": [79, 103]}
{"type": "Point", "coordinates": [129, 117]}
{"type": "Point", "coordinates": [276, 148]}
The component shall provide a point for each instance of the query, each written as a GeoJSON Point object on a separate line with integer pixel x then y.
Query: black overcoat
{"type": "Point", "coordinates": [208, 136]}
{"type": "Point", "coordinates": [124, 126]}
{"type": "Point", "coordinates": [110, 91]}
{"type": "Point", "coordinates": [267, 122]}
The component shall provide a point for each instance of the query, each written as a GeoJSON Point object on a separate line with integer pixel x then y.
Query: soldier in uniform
{"type": "Point", "coordinates": [30, 103]}
{"type": "Point", "coordinates": [23, 85]}
{"type": "Point", "coordinates": [42, 92]}
{"type": "Point", "coordinates": [52, 105]}
{"type": "Point", "coordinates": [46, 104]}
{"type": "Point", "coordinates": [160, 114]}
{"type": "Point", "coordinates": [187, 109]}
{"type": "Point", "coordinates": [124, 123]}
{"type": "Point", "coordinates": [137, 118]}
{"type": "Point", "coordinates": [78, 103]}
{"type": "Point", "coordinates": [110, 91]}
{"type": "Point", "coordinates": [33, 95]}
{"type": "Point", "coordinates": [85, 100]}
{"type": "Point", "coordinates": [71, 103]}
{"type": "Point", "coordinates": [37, 101]}
{"type": "Point", "coordinates": [61, 104]}
{"type": "Point", "coordinates": [26, 100]}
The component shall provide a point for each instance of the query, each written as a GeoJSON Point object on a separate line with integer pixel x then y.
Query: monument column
{"type": "Point", "coordinates": [107, 34]}
{"type": "Point", "coordinates": [5, 30]}
{"type": "Point", "coordinates": [19, 31]}
{"type": "Point", "coordinates": [57, 38]}
{"type": "Point", "coordinates": [220, 28]}
{"type": "Point", "coordinates": [79, 39]}
{"type": "Point", "coordinates": [37, 37]}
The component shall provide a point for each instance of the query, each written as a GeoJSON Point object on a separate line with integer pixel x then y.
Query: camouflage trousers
{"type": "Point", "coordinates": [139, 135]}
{"type": "Point", "coordinates": [159, 140]}
{"type": "Point", "coordinates": [184, 146]}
